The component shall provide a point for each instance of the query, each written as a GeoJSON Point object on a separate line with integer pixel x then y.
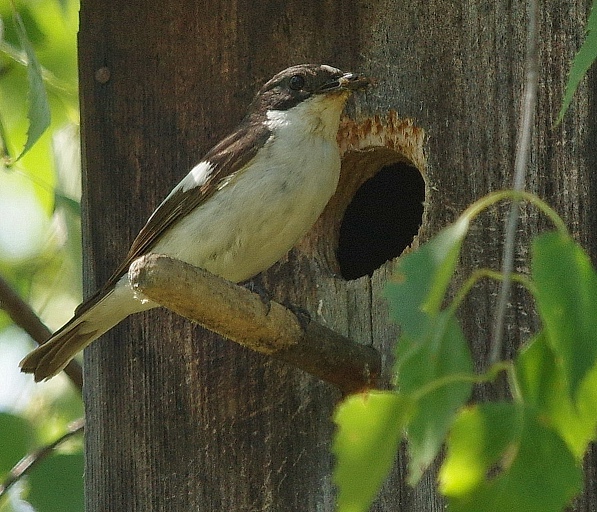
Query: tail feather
{"type": "Point", "coordinates": [50, 358]}
{"type": "Point", "coordinates": [91, 320]}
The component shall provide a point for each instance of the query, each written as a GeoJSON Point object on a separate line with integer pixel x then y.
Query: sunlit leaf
{"type": "Point", "coordinates": [543, 387]}
{"type": "Point", "coordinates": [500, 458]}
{"type": "Point", "coordinates": [438, 368]}
{"type": "Point", "coordinates": [421, 280]}
{"type": "Point", "coordinates": [39, 108]}
{"type": "Point", "coordinates": [370, 427]}
{"type": "Point", "coordinates": [582, 62]}
{"type": "Point", "coordinates": [566, 295]}
{"type": "Point", "coordinates": [477, 442]}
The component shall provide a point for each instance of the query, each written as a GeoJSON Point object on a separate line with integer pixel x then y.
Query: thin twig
{"type": "Point", "coordinates": [520, 165]}
{"type": "Point", "coordinates": [21, 314]}
{"type": "Point", "coordinates": [20, 57]}
{"type": "Point", "coordinates": [27, 463]}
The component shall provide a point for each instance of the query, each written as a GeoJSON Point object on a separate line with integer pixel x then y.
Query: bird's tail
{"type": "Point", "coordinates": [52, 356]}
{"type": "Point", "coordinates": [91, 320]}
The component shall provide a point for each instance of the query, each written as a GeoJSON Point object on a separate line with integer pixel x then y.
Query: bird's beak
{"type": "Point", "coordinates": [347, 82]}
{"type": "Point", "coordinates": [354, 82]}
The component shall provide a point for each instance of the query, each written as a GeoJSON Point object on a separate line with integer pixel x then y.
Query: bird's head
{"type": "Point", "coordinates": [316, 91]}
{"type": "Point", "coordinates": [300, 83]}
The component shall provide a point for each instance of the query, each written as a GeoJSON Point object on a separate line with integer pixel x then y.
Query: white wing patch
{"type": "Point", "coordinates": [197, 177]}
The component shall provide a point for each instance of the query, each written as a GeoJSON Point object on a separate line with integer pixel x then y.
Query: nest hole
{"type": "Point", "coordinates": [381, 221]}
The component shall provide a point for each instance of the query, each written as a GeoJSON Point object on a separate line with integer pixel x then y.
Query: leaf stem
{"type": "Point", "coordinates": [516, 195]}
{"type": "Point", "coordinates": [481, 274]}
{"type": "Point", "coordinates": [455, 378]}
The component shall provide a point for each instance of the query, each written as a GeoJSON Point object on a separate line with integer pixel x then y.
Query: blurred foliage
{"type": "Point", "coordinates": [40, 241]}
{"type": "Point", "coordinates": [39, 249]}
{"type": "Point", "coordinates": [585, 57]}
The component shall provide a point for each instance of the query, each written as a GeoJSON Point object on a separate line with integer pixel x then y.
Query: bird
{"type": "Point", "coordinates": [251, 198]}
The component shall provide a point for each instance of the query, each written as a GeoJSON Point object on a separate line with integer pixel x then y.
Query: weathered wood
{"type": "Point", "coordinates": [180, 419]}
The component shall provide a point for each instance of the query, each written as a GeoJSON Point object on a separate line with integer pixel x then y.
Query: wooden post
{"type": "Point", "coordinates": [180, 419]}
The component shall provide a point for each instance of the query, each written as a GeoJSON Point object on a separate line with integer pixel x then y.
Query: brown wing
{"type": "Point", "coordinates": [226, 158]}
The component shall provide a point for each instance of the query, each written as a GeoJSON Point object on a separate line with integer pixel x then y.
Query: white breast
{"type": "Point", "coordinates": [258, 216]}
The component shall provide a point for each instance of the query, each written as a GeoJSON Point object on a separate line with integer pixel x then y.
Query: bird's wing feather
{"type": "Point", "coordinates": [230, 156]}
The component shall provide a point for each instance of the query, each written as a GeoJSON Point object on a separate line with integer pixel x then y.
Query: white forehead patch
{"type": "Point", "coordinates": [330, 69]}
{"type": "Point", "coordinates": [197, 177]}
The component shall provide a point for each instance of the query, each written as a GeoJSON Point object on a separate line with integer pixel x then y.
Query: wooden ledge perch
{"type": "Point", "coordinates": [241, 316]}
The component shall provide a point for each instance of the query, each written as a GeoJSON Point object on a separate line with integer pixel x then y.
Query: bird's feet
{"type": "Point", "coordinates": [302, 315]}
{"type": "Point", "coordinates": [256, 286]}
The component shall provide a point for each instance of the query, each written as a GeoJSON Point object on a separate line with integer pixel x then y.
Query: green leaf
{"type": "Point", "coordinates": [477, 441]}
{"type": "Point", "coordinates": [20, 433]}
{"type": "Point", "coordinates": [501, 457]}
{"type": "Point", "coordinates": [440, 371]}
{"type": "Point", "coordinates": [542, 385]}
{"type": "Point", "coordinates": [369, 429]}
{"type": "Point", "coordinates": [582, 62]}
{"type": "Point", "coordinates": [56, 485]}
{"type": "Point", "coordinates": [566, 295]}
{"type": "Point", "coordinates": [39, 108]}
{"type": "Point", "coordinates": [421, 280]}
{"type": "Point", "coordinates": [433, 360]}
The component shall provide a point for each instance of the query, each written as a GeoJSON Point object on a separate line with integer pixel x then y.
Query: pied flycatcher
{"type": "Point", "coordinates": [239, 210]}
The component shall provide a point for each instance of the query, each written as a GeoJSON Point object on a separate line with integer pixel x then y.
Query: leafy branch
{"type": "Point", "coordinates": [523, 455]}
{"type": "Point", "coordinates": [499, 455]}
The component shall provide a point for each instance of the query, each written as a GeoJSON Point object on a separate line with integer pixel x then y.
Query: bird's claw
{"type": "Point", "coordinates": [302, 315]}
{"type": "Point", "coordinates": [257, 287]}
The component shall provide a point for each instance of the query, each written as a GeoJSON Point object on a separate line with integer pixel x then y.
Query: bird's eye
{"type": "Point", "coordinates": [297, 82]}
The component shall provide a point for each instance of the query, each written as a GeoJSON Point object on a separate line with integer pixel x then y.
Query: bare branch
{"type": "Point", "coordinates": [241, 316]}
{"type": "Point", "coordinates": [27, 463]}
{"type": "Point", "coordinates": [525, 131]}
{"type": "Point", "coordinates": [22, 315]}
